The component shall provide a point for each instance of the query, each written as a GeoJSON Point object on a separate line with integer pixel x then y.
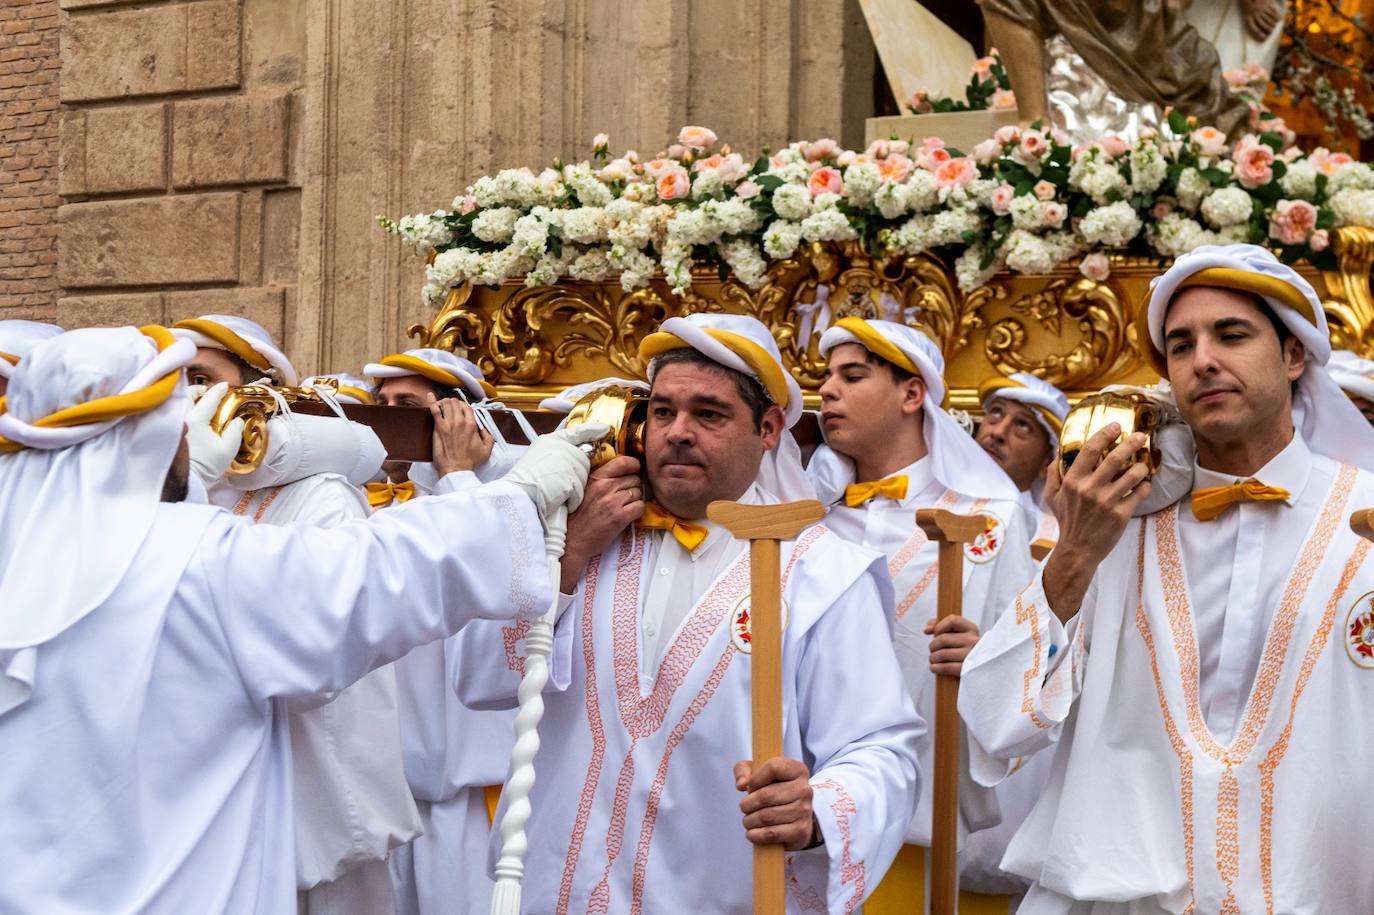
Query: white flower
{"type": "Point", "coordinates": [861, 182]}
{"type": "Point", "coordinates": [891, 200]}
{"type": "Point", "coordinates": [745, 263]}
{"type": "Point", "coordinates": [781, 238]}
{"type": "Point", "coordinates": [425, 232]}
{"type": "Point", "coordinates": [828, 225]}
{"type": "Point", "coordinates": [921, 191]}
{"type": "Point", "coordinates": [1148, 168]}
{"type": "Point", "coordinates": [1111, 226]}
{"type": "Point", "coordinates": [792, 201]}
{"type": "Point", "coordinates": [707, 184]}
{"type": "Point", "coordinates": [530, 236]}
{"type": "Point", "coordinates": [495, 225]}
{"type": "Point", "coordinates": [1300, 180]}
{"type": "Point", "coordinates": [1177, 234]}
{"type": "Point", "coordinates": [791, 173]}
{"type": "Point", "coordinates": [826, 201]}
{"type": "Point", "coordinates": [1353, 207]}
{"type": "Point", "coordinates": [1192, 187]}
{"type": "Point", "coordinates": [1101, 180]}
{"type": "Point", "coordinates": [1026, 212]}
{"type": "Point", "coordinates": [586, 226]}
{"type": "Point", "coordinates": [1356, 175]}
{"type": "Point", "coordinates": [433, 294]}
{"type": "Point", "coordinates": [591, 266]}
{"type": "Point", "coordinates": [969, 274]}
{"type": "Point", "coordinates": [1227, 206]}
{"type": "Point", "coordinates": [1026, 252]}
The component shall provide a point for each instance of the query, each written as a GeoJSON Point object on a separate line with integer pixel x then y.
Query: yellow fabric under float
{"type": "Point", "coordinates": [904, 887]}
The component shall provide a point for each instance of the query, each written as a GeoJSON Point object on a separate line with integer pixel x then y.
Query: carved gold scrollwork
{"type": "Point", "coordinates": [1104, 350]}
{"type": "Point", "coordinates": [1349, 305]}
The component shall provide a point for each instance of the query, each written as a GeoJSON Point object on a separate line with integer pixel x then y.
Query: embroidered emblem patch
{"type": "Point", "coordinates": [988, 544]}
{"type": "Point", "coordinates": [740, 635]}
{"type": "Point", "coordinates": [1359, 631]}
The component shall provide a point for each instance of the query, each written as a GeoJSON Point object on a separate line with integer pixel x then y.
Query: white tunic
{"type": "Point", "coordinates": [993, 573]}
{"type": "Point", "coordinates": [1209, 719]}
{"type": "Point", "coordinates": [635, 794]}
{"type": "Point", "coordinates": [150, 770]}
{"type": "Point", "coordinates": [353, 805]}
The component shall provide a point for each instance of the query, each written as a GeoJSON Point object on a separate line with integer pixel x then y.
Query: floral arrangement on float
{"type": "Point", "coordinates": [1023, 200]}
{"type": "Point", "coordinates": [988, 87]}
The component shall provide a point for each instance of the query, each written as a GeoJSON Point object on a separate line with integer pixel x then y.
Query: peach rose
{"type": "Point", "coordinates": [958, 172]}
{"type": "Point", "coordinates": [1293, 221]}
{"type": "Point", "coordinates": [920, 102]}
{"type": "Point", "coordinates": [1044, 190]}
{"type": "Point", "coordinates": [1319, 240]}
{"type": "Point", "coordinates": [1007, 134]}
{"type": "Point", "coordinates": [1053, 213]}
{"type": "Point", "coordinates": [1161, 209]}
{"type": "Point", "coordinates": [1210, 141]}
{"type": "Point", "coordinates": [710, 163]}
{"type": "Point", "coordinates": [982, 69]}
{"type": "Point", "coordinates": [1004, 98]}
{"type": "Point", "coordinates": [1001, 199]}
{"type": "Point", "coordinates": [747, 190]}
{"type": "Point", "coordinates": [895, 168]}
{"type": "Point", "coordinates": [825, 180]}
{"type": "Point", "coordinates": [987, 152]}
{"type": "Point", "coordinates": [932, 158]}
{"type": "Point", "coordinates": [697, 137]}
{"type": "Point", "coordinates": [657, 168]}
{"type": "Point", "coordinates": [1332, 161]}
{"type": "Point", "coordinates": [1113, 146]}
{"type": "Point", "coordinates": [674, 184]}
{"type": "Point", "coordinates": [677, 151]}
{"type": "Point", "coordinates": [1032, 146]}
{"type": "Point", "coordinates": [1096, 266]}
{"type": "Point", "coordinates": [824, 148]}
{"type": "Point", "coordinates": [1254, 165]}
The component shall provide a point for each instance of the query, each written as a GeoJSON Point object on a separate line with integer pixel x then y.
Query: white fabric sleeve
{"type": "Point", "coordinates": [862, 755]}
{"type": "Point", "coordinates": [306, 610]}
{"type": "Point", "coordinates": [487, 659]}
{"type": "Point", "coordinates": [457, 481]}
{"type": "Point", "coordinates": [1020, 682]}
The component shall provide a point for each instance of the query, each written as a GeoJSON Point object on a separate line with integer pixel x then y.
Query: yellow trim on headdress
{"type": "Point", "coordinates": [1261, 284]}
{"type": "Point", "coordinates": [877, 344]}
{"type": "Point", "coordinates": [104, 409]}
{"type": "Point", "coordinates": [11, 358]}
{"type": "Point", "coordinates": [227, 339]}
{"type": "Point", "coordinates": [362, 395]}
{"type": "Point", "coordinates": [990, 388]}
{"type": "Point", "coordinates": [432, 372]}
{"type": "Point", "coordinates": [769, 373]}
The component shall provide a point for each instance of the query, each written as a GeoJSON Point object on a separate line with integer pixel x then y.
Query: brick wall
{"type": "Point", "coordinates": [28, 158]}
{"type": "Point", "coordinates": [175, 167]}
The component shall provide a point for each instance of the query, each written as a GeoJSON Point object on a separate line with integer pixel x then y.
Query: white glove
{"type": "Point", "coordinates": [211, 452]}
{"type": "Point", "coordinates": [553, 470]}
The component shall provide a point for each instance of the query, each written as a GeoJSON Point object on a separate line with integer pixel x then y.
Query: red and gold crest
{"type": "Point", "coordinates": [1359, 631]}
{"type": "Point", "coordinates": [741, 635]}
{"type": "Point", "coordinates": [986, 546]}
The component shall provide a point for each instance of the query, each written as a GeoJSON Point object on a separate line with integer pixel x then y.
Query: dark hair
{"type": "Point", "coordinates": [248, 374]}
{"type": "Point", "coordinates": [899, 374]}
{"type": "Point", "coordinates": [1282, 330]}
{"type": "Point", "coordinates": [441, 391]}
{"type": "Point", "coordinates": [750, 391]}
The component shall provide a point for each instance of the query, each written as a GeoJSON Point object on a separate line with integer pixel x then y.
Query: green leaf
{"type": "Point", "coordinates": [1326, 219]}
{"type": "Point", "coordinates": [1272, 140]}
{"type": "Point", "coordinates": [769, 182]}
{"type": "Point", "coordinates": [1178, 123]}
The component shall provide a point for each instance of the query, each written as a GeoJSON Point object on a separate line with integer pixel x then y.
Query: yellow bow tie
{"type": "Point", "coordinates": [380, 495]}
{"type": "Point", "coordinates": [687, 533]}
{"type": "Point", "coordinates": [1211, 502]}
{"type": "Point", "coordinates": [857, 494]}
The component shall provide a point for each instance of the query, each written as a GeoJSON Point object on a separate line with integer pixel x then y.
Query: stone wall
{"type": "Point", "coordinates": [232, 155]}
{"type": "Point", "coordinates": [28, 158]}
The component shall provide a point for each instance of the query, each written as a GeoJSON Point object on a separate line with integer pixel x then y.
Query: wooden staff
{"type": "Point", "coordinates": [951, 531]}
{"type": "Point", "coordinates": [1362, 523]}
{"type": "Point", "coordinates": [764, 526]}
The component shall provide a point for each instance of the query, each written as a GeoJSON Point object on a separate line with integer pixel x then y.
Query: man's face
{"type": "Point", "coordinates": [1012, 435]}
{"type": "Point", "coordinates": [1231, 375]}
{"type": "Point", "coordinates": [406, 391]}
{"type": "Point", "coordinates": [1366, 407]}
{"type": "Point", "coordinates": [177, 482]}
{"type": "Point", "coordinates": [212, 366]}
{"type": "Point", "coordinates": [862, 401]}
{"type": "Point", "coordinates": [700, 443]}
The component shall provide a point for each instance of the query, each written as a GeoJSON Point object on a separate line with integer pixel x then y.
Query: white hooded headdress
{"type": "Point", "coordinates": [248, 340]}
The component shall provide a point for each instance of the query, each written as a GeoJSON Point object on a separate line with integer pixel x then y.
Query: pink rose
{"type": "Point", "coordinates": [657, 168]}
{"type": "Point", "coordinates": [1053, 213]}
{"type": "Point", "coordinates": [825, 180]}
{"type": "Point", "coordinates": [747, 190]}
{"type": "Point", "coordinates": [1333, 161]}
{"type": "Point", "coordinates": [1044, 190]}
{"type": "Point", "coordinates": [878, 149]}
{"type": "Point", "coordinates": [824, 148]}
{"type": "Point", "coordinates": [1001, 199]}
{"type": "Point", "coordinates": [697, 137]}
{"type": "Point", "coordinates": [919, 102]}
{"type": "Point", "coordinates": [1033, 145]}
{"type": "Point", "coordinates": [1008, 134]}
{"type": "Point", "coordinates": [958, 172]}
{"type": "Point", "coordinates": [932, 143]}
{"type": "Point", "coordinates": [1113, 146]}
{"type": "Point", "coordinates": [1319, 240]}
{"type": "Point", "coordinates": [1254, 165]}
{"type": "Point", "coordinates": [931, 159]}
{"type": "Point", "coordinates": [987, 152]}
{"type": "Point", "coordinates": [1210, 141]}
{"type": "Point", "coordinates": [710, 163]}
{"type": "Point", "coordinates": [895, 168]}
{"type": "Point", "coordinates": [1293, 221]}
{"type": "Point", "coordinates": [776, 162]}
{"type": "Point", "coordinates": [1004, 98]}
{"type": "Point", "coordinates": [677, 151]}
{"type": "Point", "coordinates": [1096, 266]}
{"type": "Point", "coordinates": [1236, 79]}
{"type": "Point", "coordinates": [674, 184]}
{"type": "Point", "coordinates": [982, 69]}
{"type": "Point", "coordinates": [601, 141]}
{"type": "Point", "coordinates": [469, 204]}
{"type": "Point", "coordinates": [1161, 209]}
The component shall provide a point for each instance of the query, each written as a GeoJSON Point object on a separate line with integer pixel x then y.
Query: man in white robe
{"type": "Point", "coordinates": [455, 758]}
{"type": "Point", "coordinates": [17, 337]}
{"type": "Point", "coordinates": [1022, 418]}
{"type": "Point", "coordinates": [635, 804]}
{"type": "Point", "coordinates": [1200, 672]}
{"type": "Point", "coordinates": [891, 450]}
{"type": "Point", "coordinates": [147, 761]}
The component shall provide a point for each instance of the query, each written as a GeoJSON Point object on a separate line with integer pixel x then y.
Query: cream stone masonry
{"type": "Point", "coordinates": [232, 155]}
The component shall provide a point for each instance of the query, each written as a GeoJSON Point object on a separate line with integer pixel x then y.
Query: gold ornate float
{"type": "Point", "coordinates": [1070, 330]}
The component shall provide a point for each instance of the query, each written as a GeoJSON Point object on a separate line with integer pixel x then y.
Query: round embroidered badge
{"type": "Point", "coordinates": [1359, 631]}
{"type": "Point", "coordinates": [740, 624]}
{"type": "Point", "coordinates": [988, 544]}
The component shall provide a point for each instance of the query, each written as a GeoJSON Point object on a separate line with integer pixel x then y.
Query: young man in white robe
{"type": "Point", "coordinates": [891, 450]}
{"type": "Point", "coordinates": [639, 790]}
{"type": "Point", "coordinates": [142, 690]}
{"type": "Point", "coordinates": [1200, 672]}
{"type": "Point", "coordinates": [1022, 418]}
{"type": "Point", "coordinates": [17, 337]}
{"type": "Point", "coordinates": [455, 758]}
{"type": "Point", "coordinates": [352, 802]}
